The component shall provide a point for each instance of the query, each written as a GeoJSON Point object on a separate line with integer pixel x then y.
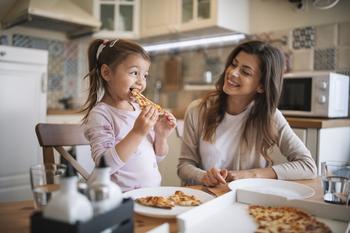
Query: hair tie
{"type": "Point", "coordinates": [113, 43]}
{"type": "Point", "coordinates": [100, 48]}
{"type": "Point", "coordinates": [103, 45]}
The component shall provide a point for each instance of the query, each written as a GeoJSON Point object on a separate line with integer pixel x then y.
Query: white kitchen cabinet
{"type": "Point", "coordinates": [159, 17]}
{"type": "Point", "coordinates": [226, 14]}
{"type": "Point", "coordinates": [173, 16]}
{"type": "Point", "coordinates": [168, 166]}
{"type": "Point", "coordinates": [120, 18]}
{"type": "Point", "coordinates": [325, 144]}
{"type": "Point", "coordinates": [23, 74]}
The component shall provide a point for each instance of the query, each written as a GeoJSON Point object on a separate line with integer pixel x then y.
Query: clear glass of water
{"type": "Point", "coordinates": [336, 181]}
{"type": "Point", "coordinates": [44, 180]}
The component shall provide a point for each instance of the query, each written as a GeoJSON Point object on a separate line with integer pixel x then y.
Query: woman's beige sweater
{"type": "Point", "coordinates": [300, 164]}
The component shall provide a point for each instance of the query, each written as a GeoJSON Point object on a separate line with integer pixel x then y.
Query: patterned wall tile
{"type": "Point", "coordinates": [325, 59]}
{"type": "Point", "coordinates": [304, 38]}
{"type": "Point", "coordinates": [62, 65]}
{"type": "Point", "coordinates": [4, 40]}
{"type": "Point", "coordinates": [326, 36]}
{"type": "Point", "coordinates": [55, 82]}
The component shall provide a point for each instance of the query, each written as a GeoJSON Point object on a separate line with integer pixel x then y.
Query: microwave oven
{"type": "Point", "coordinates": [315, 94]}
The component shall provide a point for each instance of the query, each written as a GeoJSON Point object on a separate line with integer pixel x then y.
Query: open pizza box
{"type": "Point", "coordinates": [229, 213]}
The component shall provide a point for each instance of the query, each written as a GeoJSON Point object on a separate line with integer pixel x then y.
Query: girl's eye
{"type": "Point", "coordinates": [146, 76]}
{"type": "Point", "coordinates": [134, 73]}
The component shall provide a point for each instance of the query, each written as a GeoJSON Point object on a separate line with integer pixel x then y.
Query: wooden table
{"type": "Point", "coordinates": [15, 216]}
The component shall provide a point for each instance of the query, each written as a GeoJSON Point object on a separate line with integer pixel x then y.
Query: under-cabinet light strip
{"type": "Point", "coordinates": [195, 42]}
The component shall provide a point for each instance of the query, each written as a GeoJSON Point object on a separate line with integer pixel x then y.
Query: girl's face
{"type": "Point", "coordinates": [242, 77]}
{"type": "Point", "coordinates": [131, 73]}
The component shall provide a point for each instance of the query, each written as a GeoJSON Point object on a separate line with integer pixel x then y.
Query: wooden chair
{"type": "Point", "coordinates": [55, 136]}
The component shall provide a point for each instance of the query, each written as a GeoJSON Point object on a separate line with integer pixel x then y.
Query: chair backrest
{"type": "Point", "coordinates": [55, 136]}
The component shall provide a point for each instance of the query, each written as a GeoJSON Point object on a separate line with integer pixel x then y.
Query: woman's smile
{"type": "Point", "coordinates": [231, 82]}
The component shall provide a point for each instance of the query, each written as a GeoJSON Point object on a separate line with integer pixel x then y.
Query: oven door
{"type": "Point", "coordinates": [296, 97]}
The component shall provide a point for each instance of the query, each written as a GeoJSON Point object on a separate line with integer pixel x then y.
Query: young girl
{"type": "Point", "coordinates": [228, 134]}
{"type": "Point", "coordinates": [131, 140]}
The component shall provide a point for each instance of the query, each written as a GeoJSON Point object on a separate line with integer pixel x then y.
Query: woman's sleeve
{"type": "Point", "coordinates": [300, 164]}
{"type": "Point", "coordinates": [101, 135]}
{"type": "Point", "coordinates": [189, 167]}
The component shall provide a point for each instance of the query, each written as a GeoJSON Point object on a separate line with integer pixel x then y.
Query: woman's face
{"type": "Point", "coordinates": [243, 76]}
{"type": "Point", "coordinates": [131, 73]}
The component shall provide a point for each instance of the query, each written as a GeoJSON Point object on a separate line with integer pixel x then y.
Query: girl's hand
{"type": "Point", "coordinates": [146, 120]}
{"type": "Point", "coordinates": [215, 177]}
{"type": "Point", "coordinates": [165, 125]}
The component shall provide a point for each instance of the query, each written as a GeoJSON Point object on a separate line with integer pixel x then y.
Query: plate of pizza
{"type": "Point", "coordinates": [166, 201]}
{"type": "Point", "coordinates": [287, 189]}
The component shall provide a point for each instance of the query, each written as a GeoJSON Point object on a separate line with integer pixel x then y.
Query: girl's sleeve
{"type": "Point", "coordinates": [300, 164]}
{"type": "Point", "coordinates": [101, 135]}
{"type": "Point", "coordinates": [189, 167]}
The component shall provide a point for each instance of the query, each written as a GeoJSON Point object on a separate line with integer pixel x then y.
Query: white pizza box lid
{"type": "Point", "coordinates": [229, 212]}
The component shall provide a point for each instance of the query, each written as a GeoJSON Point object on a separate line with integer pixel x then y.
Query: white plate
{"type": "Point", "coordinates": [164, 191]}
{"type": "Point", "coordinates": [290, 190]}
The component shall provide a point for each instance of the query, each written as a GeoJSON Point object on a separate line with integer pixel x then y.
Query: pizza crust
{"type": "Point", "coordinates": [156, 201]}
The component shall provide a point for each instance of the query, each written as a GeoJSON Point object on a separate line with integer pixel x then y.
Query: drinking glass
{"type": "Point", "coordinates": [44, 180]}
{"type": "Point", "coordinates": [336, 181]}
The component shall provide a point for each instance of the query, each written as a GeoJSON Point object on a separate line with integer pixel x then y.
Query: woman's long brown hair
{"type": "Point", "coordinates": [259, 132]}
{"type": "Point", "coordinates": [114, 53]}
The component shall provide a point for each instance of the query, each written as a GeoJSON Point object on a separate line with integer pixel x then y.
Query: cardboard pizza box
{"type": "Point", "coordinates": [229, 213]}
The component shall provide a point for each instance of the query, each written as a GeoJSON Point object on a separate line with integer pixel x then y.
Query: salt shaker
{"type": "Point", "coordinates": [68, 205]}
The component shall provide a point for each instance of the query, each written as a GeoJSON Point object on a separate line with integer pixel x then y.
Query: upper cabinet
{"type": "Point", "coordinates": [197, 14]}
{"type": "Point", "coordinates": [119, 18]}
{"type": "Point", "coordinates": [159, 17]}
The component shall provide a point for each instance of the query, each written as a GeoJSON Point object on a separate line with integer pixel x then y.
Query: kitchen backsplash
{"type": "Point", "coordinates": [325, 47]}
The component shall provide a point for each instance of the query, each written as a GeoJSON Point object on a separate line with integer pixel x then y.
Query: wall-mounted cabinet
{"type": "Point", "coordinates": [119, 18]}
{"type": "Point", "coordinates": [173, 16]}
{"type": "Point", "coordinates": [159, 17]}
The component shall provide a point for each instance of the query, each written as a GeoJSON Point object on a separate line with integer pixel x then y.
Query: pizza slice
{"type": "Point", "coordinates": [182, 199]}
{"type": "Point", "coordinates": [285, 219]}
{"type": "Point", "coordinates": [156, 201]}
{"type": "Point", "coordinates": [143, 101]}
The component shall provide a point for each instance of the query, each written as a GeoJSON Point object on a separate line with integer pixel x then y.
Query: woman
{"type": "Point", "coordinates": [229, 133]}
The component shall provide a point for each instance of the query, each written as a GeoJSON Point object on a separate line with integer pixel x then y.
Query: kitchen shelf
{"type": "Point", "coordinates": [199, 87]}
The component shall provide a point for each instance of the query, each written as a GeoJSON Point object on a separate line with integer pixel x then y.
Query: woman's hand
{"type": "Point", "coordinates": [146, 120]}
{"type": "Point", "coordinates": [252, 173]}
{"type": "Point", "coordinates": [165, 125]}
{"type": "Point", "coordinates": [215, 177]}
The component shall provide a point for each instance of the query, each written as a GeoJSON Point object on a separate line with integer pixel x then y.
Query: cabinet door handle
{"type": "Point", "coordinates": [43, 83]}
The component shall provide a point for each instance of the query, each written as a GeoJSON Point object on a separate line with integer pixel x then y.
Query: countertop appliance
{"type": "Point", "coordinates": [23, 75]}
{"type": "Point", "coordinates": [315, 94]}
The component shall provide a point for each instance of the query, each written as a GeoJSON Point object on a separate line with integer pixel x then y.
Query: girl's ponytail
{"type": "Point", "coordinates": [95, 82]}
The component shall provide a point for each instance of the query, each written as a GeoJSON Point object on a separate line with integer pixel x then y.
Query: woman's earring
{"type": "Point", "coordinates": [260, 91]}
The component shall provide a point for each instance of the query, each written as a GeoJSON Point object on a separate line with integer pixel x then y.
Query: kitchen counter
{"type": "Point", "coordinates": [302, 122]}
{"type": "Point", "coordinates": [63, 111]}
